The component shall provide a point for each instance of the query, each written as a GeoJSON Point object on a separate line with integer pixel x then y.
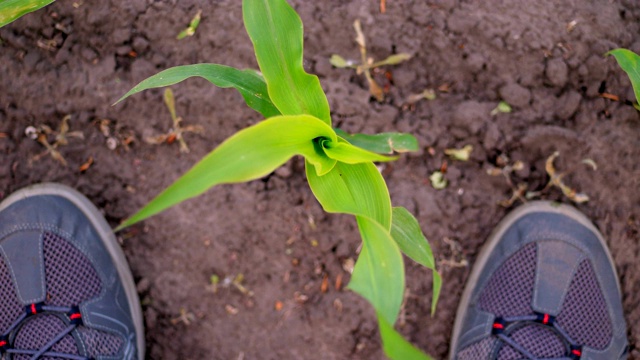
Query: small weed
{"type": "Point", "coordinates": [556, 180]}
{"type": "Point", "coordinates": [185, 318]}
{"type": "Point", "coordinates": [367, 63]}
{"type": "Point", "coordinates": [191, 29]}
{"type": "Point", "coordinates": [503, 107]}
{"type": "Point", "coordinates": [506, 169]}
{"type": "Point", "coordinates": [178, 131]}
{"type": "Point", "coordinates": [43, 135]}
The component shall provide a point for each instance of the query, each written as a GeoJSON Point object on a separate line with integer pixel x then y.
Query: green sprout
{"type": "Point", "coordinates": [341, 174]}
{"type": "Point", "coordinates": [630, 63]}
{"type": "Point", "coordinates": [11, 10]}
{"type": "Point", "coordinates": [191, 29]}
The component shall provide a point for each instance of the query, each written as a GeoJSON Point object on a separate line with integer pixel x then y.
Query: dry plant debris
{"type": "Point", "coordinates": [460, 154]}
{"type": "Point", "coordinates": [229, 281]}
{"type": "Point", "coordinates": [555, 179]}
{"type": "Point", "coordinates": [177, 132]}
{"type": "Point", "coordinates": [43, 133]}
{"type": "Point", "coordinates": [367, 63]}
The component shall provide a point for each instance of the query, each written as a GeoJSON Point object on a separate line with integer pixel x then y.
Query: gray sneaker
{"type": "Point", "coordinates": [66, 291]}
{"type": "Point", "coordinates": [543, 287]}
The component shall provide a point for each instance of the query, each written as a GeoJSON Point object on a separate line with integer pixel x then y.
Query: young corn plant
{"type": "Point", "coordinates": [341, 175]}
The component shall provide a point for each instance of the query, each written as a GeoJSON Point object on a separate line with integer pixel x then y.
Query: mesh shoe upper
{"type": "Point", "coordinates": [546, 289]}
{"type": "Point", "coordinates": [63, 293]}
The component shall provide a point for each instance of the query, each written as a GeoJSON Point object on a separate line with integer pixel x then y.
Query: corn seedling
{"type": "Point", "coordinates": [341, 174]}
{"type": "Point", "coordinates": [367, 63]}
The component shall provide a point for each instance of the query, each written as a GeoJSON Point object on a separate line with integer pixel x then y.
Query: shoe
{"type": "Point", "coordinates": [543, 287]}
{"type": "Point", "coordinates": [66, 291]}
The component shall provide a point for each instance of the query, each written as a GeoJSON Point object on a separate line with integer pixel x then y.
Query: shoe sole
{"type": "Point", "coordinates": [494, 238]}
{"type": "Point", "coordinates": [104, 230]}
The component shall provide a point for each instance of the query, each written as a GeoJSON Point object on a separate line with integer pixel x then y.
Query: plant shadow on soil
{"type": "Point", "coordinates": [73, 58]}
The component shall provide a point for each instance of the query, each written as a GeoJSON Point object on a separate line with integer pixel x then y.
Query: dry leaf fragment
{"type": "Point", "coordinates": [460, 154]}
{"type": "Point", "coordinates": [325, 284]}
{"type": "Point", "coordinates": [84, 167]}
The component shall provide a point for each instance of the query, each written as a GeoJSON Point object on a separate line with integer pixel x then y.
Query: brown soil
{"type": "Point", "coordinates": [76, 58]}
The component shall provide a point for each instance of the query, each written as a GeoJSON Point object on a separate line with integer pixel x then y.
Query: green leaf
{"type": "Point", "coordinates": [344, 152]}
{"type": "Point", "coordinates": [11, 10]}
{"type": "Point", "coordinates": [395, 346]}
{"type": "Point", "coordinates": [630, 63]}
{"type": "Point", "coordinates": [383, 143]}
{"type": "Point", "coordinates": [248, 82]}
{"type": "Point", "coordinates": [379, 272]}
{"type": "Point", "coordinates": [249, 154]}
{"type": "Point", "coordinates": [276, 32]}
{"type": "Point", "coordinates": [352, 189]}
{"type": "Point", "coordinates": [406, 231]}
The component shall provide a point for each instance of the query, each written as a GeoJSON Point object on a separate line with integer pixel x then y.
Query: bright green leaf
{"type": "Point", "coordinates": [11, 10]}
{"type": "Point", "coordinates": [383, 143]}
{"type": "Point", "coordinates": [248, 82]}
{"type": "Point", "coordinates": [395, 346]}
{"type": "Point", "coordinates": [276, 32]}
{"type": "Point", "coordinates": [406, 231]}
{"type": "Point", "coordinates": [379, 272]}
{"type": "Point", "coordinates": [352, 189]}
{"type": "Point", "coordinates": [344, 152]}
{"type": "Point", "coordinates": [247, 155]}
{"type": "Point", "coordinates": [630, 63]}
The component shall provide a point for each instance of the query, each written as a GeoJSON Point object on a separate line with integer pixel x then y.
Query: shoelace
{"type": "Point", "coordinates": [72, 314]}
{"type": "Point", "coordinates": [500, 324]}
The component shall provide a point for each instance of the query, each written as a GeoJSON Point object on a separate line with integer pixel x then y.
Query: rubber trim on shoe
{"type": "Point", "coordinates": [494, 238]}
{"type": "Point", "coordinates": [105, 232]}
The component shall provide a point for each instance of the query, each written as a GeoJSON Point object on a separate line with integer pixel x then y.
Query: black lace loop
{"type": "Point", "coordinates": [501, 324]}
{"type": "Point", "coordinates": [72, 316]}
